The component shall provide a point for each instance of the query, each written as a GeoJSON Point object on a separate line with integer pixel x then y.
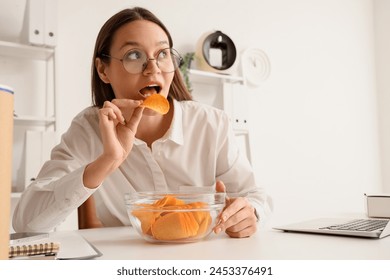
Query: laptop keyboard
{"type": "Point", "coordinates": [360, 225]}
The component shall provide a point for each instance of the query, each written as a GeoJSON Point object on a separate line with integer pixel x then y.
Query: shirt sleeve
{"type": "Point", "coordinates": [58, 189]}
{"type": "Point", "coordinates": [236, 172]}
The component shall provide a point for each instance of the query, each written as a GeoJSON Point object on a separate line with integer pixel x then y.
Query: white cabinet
{"type": "Point", "coordinates": [227, 93]}
{"type": "Point", "coordinates": [29, 70]}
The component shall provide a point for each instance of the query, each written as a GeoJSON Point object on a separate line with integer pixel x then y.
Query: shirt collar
{"type": "Point", "coordinates": [175, 131]}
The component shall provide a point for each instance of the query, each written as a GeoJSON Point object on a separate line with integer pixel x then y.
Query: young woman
{"type": "Point", "coordinates": [118, 146]}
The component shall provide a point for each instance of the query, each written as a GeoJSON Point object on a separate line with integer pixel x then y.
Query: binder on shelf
{"type": "Point", "coordinates": [235, 102]}
{"type": "Point", "coordinates": [50, 23]}
{"type": "Point", "coordinates": [40, 23]}
{"type": "Point", "coordinates": [34, 19]}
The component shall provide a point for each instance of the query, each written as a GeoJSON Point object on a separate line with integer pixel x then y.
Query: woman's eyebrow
{"type": "Point", "coordinates": [136, 44]}
{"type": "Point", "coordinates": [129, 43]}
{"type": "Point", "coordinates": [162, 43]}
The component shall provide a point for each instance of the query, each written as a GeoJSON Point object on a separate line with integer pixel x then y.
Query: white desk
{"type": "Point", "coordinates": [124, 243]}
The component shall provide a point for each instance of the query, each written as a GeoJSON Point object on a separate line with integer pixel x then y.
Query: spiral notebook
{"type": "Point", "coordinates": [64, 245]}
{"type": "Point", "coordinates": [45, 249]}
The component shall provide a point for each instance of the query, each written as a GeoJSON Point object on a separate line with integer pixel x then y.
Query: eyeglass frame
{"type": "Point", "coordinates": [146, 62]}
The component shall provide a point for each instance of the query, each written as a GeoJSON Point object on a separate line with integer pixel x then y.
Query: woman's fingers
{"type": "Point", "coordinates": [126, 107]}
{"type": "Point", "coordinates": [235, 205]}
{"type": "Point", "coordinates": [246, 231]}
{"type": "Point", "coordinates": [107, 123]}
{"type": "Point", "coordinates": [125, 111]}
{"type": "Point", "coordinates": [238, 219]}
{"type": "Point", "coordinates": [241, 223]}
{"type": "Point", "coordinates": [134, 120]}
{"type": "Point", "coordinates": [113, 112]}
{"type": "Point", "coordinates": [220, 186]}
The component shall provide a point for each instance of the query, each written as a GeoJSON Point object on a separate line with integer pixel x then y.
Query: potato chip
{"type": "Point", "coordinates": [157, 103]}
{"type": "Point", "coordinates": [168, 227]}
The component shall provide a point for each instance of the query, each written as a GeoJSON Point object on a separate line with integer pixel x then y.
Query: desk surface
{"type": "Point", "coordinates": [124, 243]}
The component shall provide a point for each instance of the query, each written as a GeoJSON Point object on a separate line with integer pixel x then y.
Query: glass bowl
{"type": "Point", "coordinates": [174, 217]}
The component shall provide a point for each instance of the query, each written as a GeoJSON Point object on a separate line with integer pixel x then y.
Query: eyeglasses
{"type": "Point", "coordinates": [135, 61]}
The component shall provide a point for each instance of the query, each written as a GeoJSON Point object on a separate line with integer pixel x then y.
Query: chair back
{"type": "Point", "coordinates": [87, 215]}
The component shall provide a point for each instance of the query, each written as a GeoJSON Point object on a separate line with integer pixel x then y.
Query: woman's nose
{"type": "Point", "coordinates": [151, 67]}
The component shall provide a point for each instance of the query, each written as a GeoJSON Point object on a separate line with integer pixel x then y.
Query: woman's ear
{"type": "Point", "coordinates": [101, 69]}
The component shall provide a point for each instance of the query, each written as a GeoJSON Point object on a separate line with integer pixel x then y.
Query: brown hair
{"type": "Point", "coordinates": [103, 92]}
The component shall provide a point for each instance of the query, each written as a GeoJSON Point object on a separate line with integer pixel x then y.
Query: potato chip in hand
{"type": "Point", "coordinates": [157, 103]}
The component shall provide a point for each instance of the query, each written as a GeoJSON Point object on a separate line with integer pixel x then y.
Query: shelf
{"type": "Point", "coordinates": [238, 132]}
{"type": "Point", "coordinates": [205, 74]}
{"type": "Point", "coordinates": [31, 120]}
{"type": "Point", "coordinates": [16, 194]}
{"type": "Point", "coordinates": [25, 51]}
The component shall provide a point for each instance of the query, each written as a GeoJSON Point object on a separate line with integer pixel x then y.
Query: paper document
{"type": "Point", "coordinates": [73, 246]}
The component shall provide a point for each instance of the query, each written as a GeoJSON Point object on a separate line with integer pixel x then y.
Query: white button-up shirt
{"type": "Point", "coordinates": [198, 149]}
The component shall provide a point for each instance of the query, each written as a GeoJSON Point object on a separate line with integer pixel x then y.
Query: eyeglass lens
{"type": "Point", "coordinates": [135, 61]}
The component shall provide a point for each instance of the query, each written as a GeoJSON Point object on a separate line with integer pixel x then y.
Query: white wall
{"type": "Point", "coordinates": [314, 124]}
{"type": "Point", "coordinates": [382, 43]}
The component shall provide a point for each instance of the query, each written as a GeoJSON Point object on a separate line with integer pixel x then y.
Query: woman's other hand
{"type": "Point", "coordinates": [238, 218]}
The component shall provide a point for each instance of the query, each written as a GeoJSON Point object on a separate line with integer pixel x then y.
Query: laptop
{"type": "Point", "coordinates": [366, 227]}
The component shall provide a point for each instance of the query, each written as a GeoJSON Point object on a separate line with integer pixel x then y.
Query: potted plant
{"type": "Point", "coordinates": [185, 67]}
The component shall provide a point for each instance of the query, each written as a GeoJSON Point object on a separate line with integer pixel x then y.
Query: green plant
{"type": "Point", "coordinates": [185, 67]}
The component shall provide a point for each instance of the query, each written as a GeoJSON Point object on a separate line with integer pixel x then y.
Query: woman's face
{"type": "Point", "coordinates": [134, 39]}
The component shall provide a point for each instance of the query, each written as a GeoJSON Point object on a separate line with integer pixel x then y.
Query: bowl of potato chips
{"type": "Point", "coordinates": [174, 217]}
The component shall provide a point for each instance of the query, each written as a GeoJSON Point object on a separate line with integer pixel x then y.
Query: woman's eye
{"type": "Point", "coordinates": [163, 54]}
{"type": "Point", "coordinates": [133, 55]}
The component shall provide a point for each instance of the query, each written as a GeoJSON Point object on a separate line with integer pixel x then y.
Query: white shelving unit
{"type": "Point", "coordinates": [202, 76]}
{"type": "Point", "coordinates": [226, 92]}
{"type": "Point", "coordinates": [17, 50]}
{"type": "Point", "coordinates": [30, 71]}
{"type": "Point", "coordinates": [28, 119]}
